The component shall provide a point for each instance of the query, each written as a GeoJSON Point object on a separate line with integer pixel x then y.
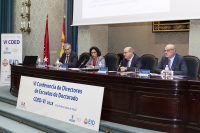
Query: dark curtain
{"type": "Point", "coordinates": [72, 31]}
{"type": "Point", "coordinates": [6, 17]}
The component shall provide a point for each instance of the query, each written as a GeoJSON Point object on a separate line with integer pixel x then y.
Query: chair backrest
{"type": "Point", "coordinates": [111, 60]}
{"type": "Point", "coordinates": [192, 65]}
{"type": "Point", "coordinates": [120, 56]}
{"type": "Point", "coordinates": [84, 56]}
{"type": "Point", "coordinates": [149, 62]}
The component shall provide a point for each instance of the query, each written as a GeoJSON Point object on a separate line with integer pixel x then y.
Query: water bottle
{"type": "Point", "coordinates": [166, 71]}
{"type": "Point", "coordinates": [39, 62]}
{"type": "Point", "coordinates": [57, 64]}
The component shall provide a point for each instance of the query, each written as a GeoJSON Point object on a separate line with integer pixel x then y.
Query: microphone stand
{"type": "Point", "coordinates": [82, 63]}
{"type": "Point", "coordinates": [119, 66]}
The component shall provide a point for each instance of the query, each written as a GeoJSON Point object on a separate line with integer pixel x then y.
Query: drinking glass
{"type": "Point", "coordinates": [137, 70]}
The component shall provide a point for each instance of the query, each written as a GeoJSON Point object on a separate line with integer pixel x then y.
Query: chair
{"type": "Point", "coordinates": [192, 65]}
{"type": "Point", "coordinates": [111, 60]}
{"type": "Point", "coordinates": [149, 62]}
{"type": "Point", "coordinates": [120, 55]}
{"type": "Point", "coordinates": [84, 56]}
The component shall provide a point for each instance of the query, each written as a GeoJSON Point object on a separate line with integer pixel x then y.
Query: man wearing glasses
{"type": "Point", "coordinates": [176, 63]}
{"type": "Point", "coordinates": [68, 57]}
{"type": "Point", "coordinates": [130, 60]}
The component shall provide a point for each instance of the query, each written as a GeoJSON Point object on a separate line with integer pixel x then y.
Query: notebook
{"type": "Point", "coordinates": [30, 60]}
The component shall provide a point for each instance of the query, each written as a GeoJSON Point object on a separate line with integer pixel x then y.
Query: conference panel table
{"type": "Point", "coordinates": [168, 105]}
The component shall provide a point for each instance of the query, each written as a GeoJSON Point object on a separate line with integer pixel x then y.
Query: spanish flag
{"type": "Point", "coordinates": [63, 37]}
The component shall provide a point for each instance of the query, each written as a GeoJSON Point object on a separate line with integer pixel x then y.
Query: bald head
{"type": "Point", "coordinates": [170, 46]}
{"type": "Point", "coordinates": [128, 52]}
{"type": "Point", "coordinates": [130, 49]}
{"type": "Point", "coordinates": [170, 51]}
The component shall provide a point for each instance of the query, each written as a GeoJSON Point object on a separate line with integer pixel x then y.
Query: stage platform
{"type": "Point", "coordinates": [38, 123]}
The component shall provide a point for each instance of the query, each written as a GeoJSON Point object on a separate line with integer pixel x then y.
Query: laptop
{"type": "Point", "coordinates": [30, 60]}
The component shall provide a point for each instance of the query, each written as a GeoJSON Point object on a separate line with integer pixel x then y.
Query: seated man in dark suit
{"type": "Point", "coordinates": [68, 57]}
{"type": "Point", "coordinates": [130, 60]}
{"type": "Point", "coordinates": [175, 62]}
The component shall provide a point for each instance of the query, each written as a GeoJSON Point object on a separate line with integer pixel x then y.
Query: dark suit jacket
{"type": "Point", "coordinates": [135, 63]}
{"type": "Point", "coordinates": [179, 65]}
{"type": "Point", "coordinates": [73, 59]}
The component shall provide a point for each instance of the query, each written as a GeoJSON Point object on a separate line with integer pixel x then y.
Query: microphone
{"type": "Point", "coordinates": [119, 65]}
{"type": "Point", "coordinates": [82, 63]}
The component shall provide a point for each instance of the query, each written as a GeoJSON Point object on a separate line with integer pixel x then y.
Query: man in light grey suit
{"type": "Point", "coordinates": [96, 60]}
{"type": "Point", "coordinates": [175, 62]}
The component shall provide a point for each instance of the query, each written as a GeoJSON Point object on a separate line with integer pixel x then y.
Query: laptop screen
{"type": "Point", "coordinates": [30, 60]}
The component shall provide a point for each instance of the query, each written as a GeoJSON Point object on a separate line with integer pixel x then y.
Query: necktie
{"type": "Point", "coordinates": [67, 59]}
{"type": "Point", "coordinates": [169, 64]}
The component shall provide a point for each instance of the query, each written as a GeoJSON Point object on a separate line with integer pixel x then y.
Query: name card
{"type": "Point", "coordinates": [144, 71]}
{"type": "Point", "coordinates": [43, 64]}
{"type": "Point", "coordinates": [64, 66]}
{"type": "Point", "coordinates": [103, 70]}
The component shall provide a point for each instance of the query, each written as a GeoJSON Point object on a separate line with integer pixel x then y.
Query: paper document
{"type": "Point", "coordinates": [126, 72]}
{"type": "Point", "coordinates": [143, 74]}
{"type": "Point", "coordinates": [73, 68]}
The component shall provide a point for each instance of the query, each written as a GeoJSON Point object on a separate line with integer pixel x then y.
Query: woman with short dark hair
{"type": "Point", "coordinates": [96, 60]}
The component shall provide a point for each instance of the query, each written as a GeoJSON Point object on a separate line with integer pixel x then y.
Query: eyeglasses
{"type": "Point", "coordinates": [125, 52]}
{"type": "Point", "coordinates": [66, 49]}
{"type": "Point", "coordinates": [93, 52]}
{"type": "Point", "coordinates": [167, 50]}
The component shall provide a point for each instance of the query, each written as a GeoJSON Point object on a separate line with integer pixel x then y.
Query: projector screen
{"type": "Point", "coordinates": [94, 12]}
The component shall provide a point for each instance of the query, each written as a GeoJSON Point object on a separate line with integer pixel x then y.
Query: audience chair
{"type": "Point", "coordinates": [149, 62]}
{"type": "Point", "coordinates": [84, 56]}
{"type": "Point", "coordinates": [192, 65]}
{"type": "Point", "coordinates": [111, 60]}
